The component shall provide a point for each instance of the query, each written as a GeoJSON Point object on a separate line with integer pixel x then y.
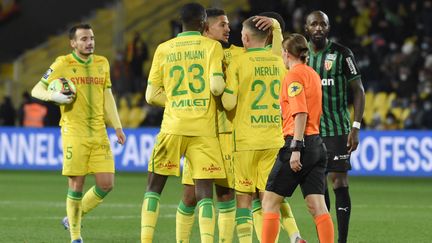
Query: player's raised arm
{"type": "Point", "coordinates": [273, 20]}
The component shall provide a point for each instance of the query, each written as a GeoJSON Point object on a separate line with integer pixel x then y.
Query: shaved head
{"type": "Point", "coordinates": [317, 29]}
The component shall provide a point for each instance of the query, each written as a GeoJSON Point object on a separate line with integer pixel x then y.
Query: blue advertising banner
{"type": "Point", "coordinates": [380, 153]}
{"type": "Point", "coordinates": [41, 149]}
{"type": "Point", "coordinates": [393, 153]}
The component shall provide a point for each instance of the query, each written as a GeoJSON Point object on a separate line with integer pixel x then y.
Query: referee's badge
{"type": "Point", "coordinates": [294, 89]}
{"type": "Point", "coordinates": [328, 64]}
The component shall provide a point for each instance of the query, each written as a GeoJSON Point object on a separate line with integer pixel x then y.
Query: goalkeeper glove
{"type": "Point", "coordinates": [61, 98]}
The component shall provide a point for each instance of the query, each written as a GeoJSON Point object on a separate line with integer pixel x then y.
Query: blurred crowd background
{"type": "Point", "coordinates": [391, 40]}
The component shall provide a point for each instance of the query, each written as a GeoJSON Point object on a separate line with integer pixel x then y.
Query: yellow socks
{"type": "Point", "coordinates": [288, 221]}
{"type": "Point", "coordinates": [206, 219]}
{"type": "Point", "coordinates": [93, 197]}
{"type": "Point", "coordinates": [244, 225]}
{"type": "Point", "coordinates": [149, 215]}
{"type": "Point", "coordinates": [73, 211]}
{"type": "Point", "coordinates": [257, 217]}
{"type": "Point", "coordinates": [184, 221]}
{"type": "Point", "coordinates": [226, 220]}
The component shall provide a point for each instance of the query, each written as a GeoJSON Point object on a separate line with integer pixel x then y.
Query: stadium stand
{"type": "Point", "coordinates": [397, 72]}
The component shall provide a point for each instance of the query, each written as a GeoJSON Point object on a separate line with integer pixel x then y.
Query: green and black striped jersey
{"type": "Point", "coordinates": [336, 66]}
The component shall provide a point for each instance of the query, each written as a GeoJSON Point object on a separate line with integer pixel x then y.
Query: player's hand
{"type": "Point", "coordinates": [262, 22]}
{"type": "Point", "coordinates": [121, 137]}
{"type": "Point", "coordinates": [61, 98]}
{"type": "Point", "coordinates": [295, 163]}
{"type": "Point", "coordinates": [353, 140]}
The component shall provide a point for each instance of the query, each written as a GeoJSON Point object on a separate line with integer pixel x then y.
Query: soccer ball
{"type": "Point", "coordinates": [62, 85]}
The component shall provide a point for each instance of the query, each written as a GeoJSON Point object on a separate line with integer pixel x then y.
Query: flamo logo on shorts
{"type": "Point", "coordinates": [212, 168]}
{"type": "Point", "coordinates": [245, 182]}
{"type": "Point", "coordinates": [168, 165]}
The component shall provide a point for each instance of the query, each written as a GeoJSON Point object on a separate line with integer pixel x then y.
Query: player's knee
{"type": "Point", "coordinates": [339, 180]}
{"type": "Point", "coordinates": [316, 205]}
{"type": "Point", "coordinates": [106, 187]}
{"type": "Point", "coordinates": [269, 205]}
{"type": "Point", "coordinates": [189, 201]}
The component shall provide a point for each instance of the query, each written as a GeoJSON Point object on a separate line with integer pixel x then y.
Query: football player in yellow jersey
{"type": "Point", "coordinates": [185, 77]}
{"type": "Point", "coordinates": [218, 29]}
{"type": "Point", "coordinates": [86, 148]}
{"type": "Point", "coordinates": [253, 84]}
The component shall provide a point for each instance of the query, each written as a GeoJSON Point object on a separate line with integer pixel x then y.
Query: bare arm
{"type": "Point", "coordinates": [299, 128]}
{"type": "Point", "coordinates": [359, 103]}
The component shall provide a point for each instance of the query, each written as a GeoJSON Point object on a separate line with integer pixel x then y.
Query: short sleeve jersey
{"type": "Point", "coordinates": [301, 93]}
{"type": "Point", "coordinates": [255, 79]}
{"type": "Point", "coordinates": [183, 67]}
{"type": "Point", "coordinates": [85, 116]}
{"type": "Point", "coordinates": [336, 66]}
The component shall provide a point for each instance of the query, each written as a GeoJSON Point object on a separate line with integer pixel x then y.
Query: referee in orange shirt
{"type": "Point", "coordinates": [302, 161]}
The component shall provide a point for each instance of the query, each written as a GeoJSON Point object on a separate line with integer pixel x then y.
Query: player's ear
{"type": "Point", "coordinates": [73, 44]}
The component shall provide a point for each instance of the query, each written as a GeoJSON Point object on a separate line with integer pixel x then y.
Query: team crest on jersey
{"type": "Point", "coordinates": [47, 73]}
{"type": "Point", "coordinates": [328, 64]}
{"type": "Point", "coordinates": [100, 70]}
{"type": "Point", "coordinates": [294, 89]}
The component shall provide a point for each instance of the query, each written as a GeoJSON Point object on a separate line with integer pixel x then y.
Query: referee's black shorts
{"type": "Point", "coordinates": [283, 180]}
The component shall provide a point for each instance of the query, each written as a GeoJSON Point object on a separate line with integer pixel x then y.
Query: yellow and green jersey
{"type": "Point", "coordinates": [183, 67]}
{"type": "Point", "coordinates": [85, 116]}
{"type": "Point", "coordinates": [255, 79]}
{"type": "Point", "coordinates": [225, 117]}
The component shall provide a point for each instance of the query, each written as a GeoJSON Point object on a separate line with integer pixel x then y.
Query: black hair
{"type": "Point", "coordinates": [214, 12]}
{"type": "Point", "coordinates": [74, 28]}
{"type": "Point", "coordinates": [192, 14]}
{"type": "Point", "coordinates": [276, 16]}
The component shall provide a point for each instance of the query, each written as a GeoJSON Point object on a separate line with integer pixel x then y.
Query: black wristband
{"type": "Point", "coordinates": [296, 145]}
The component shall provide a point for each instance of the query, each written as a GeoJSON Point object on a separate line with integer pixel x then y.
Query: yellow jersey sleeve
{"type": "Point", "coordinates": [277, 38]}
{"type": "Point", "coordinates": [108, 82]}
{"type": "Point", "coordinates": [229, 98]}
{"type": "Point", "coordinates": [54, 71]}
{"type": "Point", "coordinates": [216, 60]}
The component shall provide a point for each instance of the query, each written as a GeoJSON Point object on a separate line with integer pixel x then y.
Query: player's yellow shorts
{"type": "Point", "coordinates": [226, 146]}
{"type": "Point", "coordinates": [252, 168]}
{"type": "Point", "coordinates": [202, 154]}
{"type": "Point", "coordinates": [87, 155]}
